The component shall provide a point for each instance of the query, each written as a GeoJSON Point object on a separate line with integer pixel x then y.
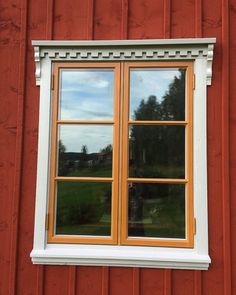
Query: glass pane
{"type": "Point", "coordinates": [83, 208]}
{"type": "Point", "coordinates": [83, 93]}
{"type": "Point", "coordinates": [157, 151]}
{"type": "Point", "coordinates": [85, 150]}
{"type": "Point", "coordinates": [157, 94]}
{"type": "Point", "coordinates": [156, 210]}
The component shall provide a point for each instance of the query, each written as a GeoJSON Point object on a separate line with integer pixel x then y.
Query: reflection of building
{"type": "Point", "coordinates": [73, 160]}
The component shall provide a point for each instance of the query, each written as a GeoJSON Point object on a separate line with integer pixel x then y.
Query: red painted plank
{"type": "Point", "coordinates": [107, 19]}
{"type": "Point", "coordinates": [56, 280]}
{"type": "Point", "coordinates": [121, 281]}
{"type": "Point", "coordinates": [11, 72]}
{"type": "Point", "coordinates": [28, 280]}
{"type": "Point", "coordinates": [167, 23]}
{"type": "Point", "coordinates": [182, 18]}
{"type": "Point", "coordinates": [182, 281]}
{"type": "Point", "coordinates": [232, 135]}
{"type": "Point", "coordinates": [71, 19]}
{"type": "Point", "coordinates": [225, 149]}
{"type": "Point", "coordinates": [198, 18]}
{"type": "Point", "coordinates": [167, 282]}
{"type": "Point", "coordinates": [146, 19]}
{"type": "Point", "coordinates": [152, 281]}
{"type": "Point", "coordinates": [213, 279]}
{"type": "Point", "coordinates": [72, 280]}
{"type": "Point", "coordinates": [89, 280]}
{"type": "Point", "coordinates": [105, 280]}
{"type": "Point", "coordinates": [197, 282]}
{"type": "Point", "coordinates": [136, 281]}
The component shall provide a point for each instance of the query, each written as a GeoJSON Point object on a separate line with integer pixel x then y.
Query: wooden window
{"type": "Point", "coordinates": [121, 154]}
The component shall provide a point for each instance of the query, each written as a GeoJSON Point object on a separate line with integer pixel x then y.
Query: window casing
{"type": "Point", "coordinates": [51, 248]}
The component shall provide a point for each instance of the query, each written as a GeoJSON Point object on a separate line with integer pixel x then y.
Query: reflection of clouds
{"type": "Point", "coordinates": [75, 78]}
{"type": "Point", "coordinates": [86, 94]}
{"type": "Point", "coordinates": [95, 137]}
{"type": "Point", "coordinates": [144, 83]}
{"type": "Point", "coordinates": [86, 110]}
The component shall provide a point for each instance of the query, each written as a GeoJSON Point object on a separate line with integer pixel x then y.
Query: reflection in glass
{"type": "Point", "coordinates": [83, 208]}
{"type": "Point", "coordinates": [85, 150]}
{"type": "Point", "coordinates": [157, 151]}
{"type": "Point", "coordinates": [83, 93]}
{"type": "Point", "coordinates": [156, 210]}
{"type": "Point", "coordinates": [157, 94]}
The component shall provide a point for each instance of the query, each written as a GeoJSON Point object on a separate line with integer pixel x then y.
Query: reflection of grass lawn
{"type": "Point", "coordinates": [169, 221]}
{"type": "Point", "coordinates": [92, 172]}
{"type": "Point", "coordinates": [82, 208]}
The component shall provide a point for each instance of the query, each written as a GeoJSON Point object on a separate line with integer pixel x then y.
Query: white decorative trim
{"type": "Point", "coordinates": [37, 64]}
{"type": "Point", "coordinates": [152, 50]}
{"type": "Point", "coordinates": [121, 256]}
{"type": "Point", "coordinates": [198, 50]}
{"type": "Point", "coordinates": [209, 63]}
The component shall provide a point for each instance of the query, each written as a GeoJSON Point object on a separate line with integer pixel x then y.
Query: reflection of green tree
{"type": "Point", "coordinates": [158, 144]}
{"type": "Point", "coordinates": [84, 149]}
{"type": "Point", "coordinates": [159, 150]}
{"type": "Point", "coordinates": [62, 166]}
{"type": "Point", "coordinates": [107, 149]}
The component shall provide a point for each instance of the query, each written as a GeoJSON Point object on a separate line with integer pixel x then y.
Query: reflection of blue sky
{"type": "Point", "coordinates": [86, 94]}
{"type": "Point", "coordinates": [146, 82]}
{"type": "Point", "coordinates": [95, 137]}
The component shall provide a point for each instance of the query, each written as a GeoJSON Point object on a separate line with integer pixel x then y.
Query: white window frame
{"type": "Point", "coordinates": [200, 51]}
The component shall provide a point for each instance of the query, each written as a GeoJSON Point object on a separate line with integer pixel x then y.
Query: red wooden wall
{"type": "Point", "coordinates": [24, 20]}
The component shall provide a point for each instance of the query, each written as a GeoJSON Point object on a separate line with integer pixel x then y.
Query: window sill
{"type": "Point", "coordinates": [121, 256]}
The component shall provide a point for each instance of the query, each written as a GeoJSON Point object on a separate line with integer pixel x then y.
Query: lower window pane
{"type": "Point", "coordinates": [83, 208]}
{"type": "Point", "coordinates": [156, 210]}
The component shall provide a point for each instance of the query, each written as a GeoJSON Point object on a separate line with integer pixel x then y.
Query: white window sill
{"type": "Point", "coordinates": [121, 256]}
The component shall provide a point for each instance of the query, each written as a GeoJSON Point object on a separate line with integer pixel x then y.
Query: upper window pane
{"type": "Point", "coordinates": [157, 94]}
{"type": "Point", "coordinates": [86, 94]}
{"type": "Point", "coordinates": [85, 150]}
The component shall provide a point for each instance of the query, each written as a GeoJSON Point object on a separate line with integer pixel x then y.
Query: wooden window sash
{"type": "Point", "coordinates": [188, 242]}
{"type": "Point", "coordinates": [120, 179]}
{"type": "Point", "coordinates": [84, 239]}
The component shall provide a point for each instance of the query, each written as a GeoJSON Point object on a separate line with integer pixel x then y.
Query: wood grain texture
{"type": "Point", "coordinates": [72, 280]}
{"type": "Point", "coordinates": [20, 88]}
{"type": "Point", "coordinates": [151, 281]}
{"type": "Point", "coordinates": [107, 19]}
{"type": "Point", "coordinates": [182, 18]}
{"type": "Point", "coordinates": [232, 137]}
{"type": "Point", "coordinates": [198, 18]}
{"type": "Point", "coordinates": [121, 281]}
{"type": "Point", "coordinates": [145, 19]}
{"type": "Point", "coordinates": [167, 282]}
{"type": "Point", "coordinates": [214, 278]}
{"type": "Point", "coordinates": [36, 28]}
{"type": "Point", "coordinates": [182, 282]}
{"type": "Point", "coordinates": [89, 280]}
{"type": "Point", "coordinates": [56, 280]}
{"type": "Point", "coordinates": [225, 149]}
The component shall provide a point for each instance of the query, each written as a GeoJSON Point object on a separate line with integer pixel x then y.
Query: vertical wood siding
{"type": "Point", "coordinates": [24, 20]}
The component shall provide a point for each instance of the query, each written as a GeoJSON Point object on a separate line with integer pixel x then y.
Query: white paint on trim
{"type": "Point", "coordinates": [198, 50]}
{"type": "Point", "coordinates": [162, 49]}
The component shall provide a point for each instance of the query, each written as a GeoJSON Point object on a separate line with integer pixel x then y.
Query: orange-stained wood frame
{"type": "Point", "coordinates": [55, 238]}
{"type": "Point", "coordinates": [120, 179]}
{"type": "Point", "coordinates": [189, 218]}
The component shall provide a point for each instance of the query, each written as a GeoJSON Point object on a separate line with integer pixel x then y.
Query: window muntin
{"type": "Point", "coordinates": [171, 178]}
